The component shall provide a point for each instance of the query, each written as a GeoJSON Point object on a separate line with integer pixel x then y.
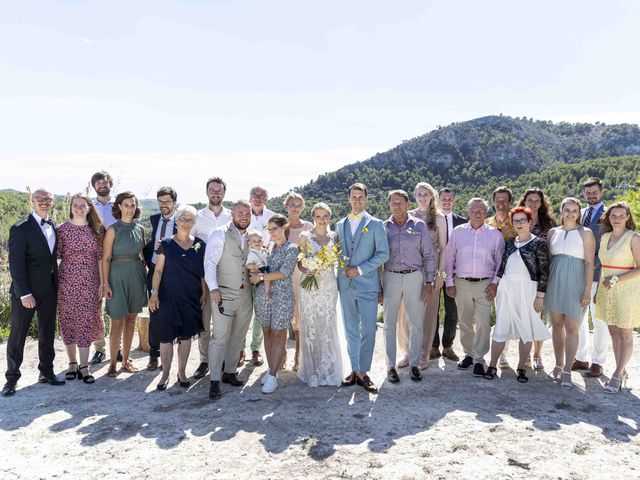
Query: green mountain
{"type": "Point", "coordinates": [476, 156]}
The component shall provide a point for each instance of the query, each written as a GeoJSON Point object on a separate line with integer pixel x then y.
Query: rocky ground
{"type": "Point", "coordinates": [451, 425]}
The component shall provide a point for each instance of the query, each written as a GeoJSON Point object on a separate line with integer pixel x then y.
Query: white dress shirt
{"type": "Point", "coordinates": [105, 211]}
{"type": "Point", "coordinates": [207, 222]}
{"type": "Point", "coordinates": [215, 245]}
{"type": "Point", "coordinates": [49, 232]}
{"type": "Point", "coordinates": [259, 222]}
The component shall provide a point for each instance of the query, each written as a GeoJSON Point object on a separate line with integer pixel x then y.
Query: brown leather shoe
{"type": "Point", "coordinates": [351, 379]}
{"type": "Point", "coordinates": [435, 353]}
{"type": "Point", "coordinates": [256, 358]}
{"type": "Point", "coordinates": [231, 379]}
{"type": "Point", "coordinates": [449, 354]}
{"type": "Point", "coordinates": [368, 385]}
{"type": "Point", "coordinates": [578, 365]}
{"type": "Point", "coordinates": [153, 364]}
{"type": "Point", "coordinates": [241, 359]}
{"type": "Point", "coordinates": [594, 371]}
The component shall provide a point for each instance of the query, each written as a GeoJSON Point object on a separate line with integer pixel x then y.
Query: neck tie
{"type": "Point", "coordinates": [43, 221]}
{"type": "Point", "coordinates": [163, 230]}
{"type": "Point", "coordinates": [355, 216]}
{"type": "Point", "coordinates": [587, 218]}
{"type": "Point", "coordinates": [446, 223]}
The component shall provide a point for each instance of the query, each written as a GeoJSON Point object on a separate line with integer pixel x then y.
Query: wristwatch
{"type": "Point", "coordinates": [154, 291]}
{"type": "Point", "coordinates": [261, 277]}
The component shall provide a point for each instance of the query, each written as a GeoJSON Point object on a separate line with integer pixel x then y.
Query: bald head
{"type": "Point", "coordinates": [42, 201]}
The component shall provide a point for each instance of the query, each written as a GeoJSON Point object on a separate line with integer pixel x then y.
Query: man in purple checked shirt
{"type": "Point", "coordinates": [408, 278]}
{"type": "Point", "coordinates": [474, 253]}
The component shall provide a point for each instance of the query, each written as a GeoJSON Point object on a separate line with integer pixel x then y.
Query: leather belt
{"type": "Point", "coordinates": [402, 272]}
{"type": "Point", "coordinates": [474, 280]}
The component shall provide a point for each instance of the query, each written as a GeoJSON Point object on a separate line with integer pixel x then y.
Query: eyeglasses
{"type": "Point", "coordinates": [213, 191]}
{"type": "Point", "coordinates": [43, 199]}
{"type": "Point", "coordinates": [518, 221]}
{"type": "Point", "coordinates": [273, 229]}
{"type": "Point", "coordinates": [165, 204]}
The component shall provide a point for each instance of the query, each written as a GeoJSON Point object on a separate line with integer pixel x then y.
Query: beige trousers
{"type": "Point", "coordinates": [473, 317]}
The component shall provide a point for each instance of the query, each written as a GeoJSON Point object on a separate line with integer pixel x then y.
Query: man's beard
{"type": "Point", "coordinates": [215, 203]}
{"type": "Point", "coordinates": [103, 192]}
{"type": "Point", "coordinates": [240, 227]}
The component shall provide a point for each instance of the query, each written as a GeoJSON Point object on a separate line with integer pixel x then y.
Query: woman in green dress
{"type": "Point", "coordinates": [123, 266]}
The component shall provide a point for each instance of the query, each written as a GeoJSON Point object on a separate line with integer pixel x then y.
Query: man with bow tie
{"type": "Point", "coordinates": [365, 248]}
{"type": "Point", "coordinates": [34, 272]}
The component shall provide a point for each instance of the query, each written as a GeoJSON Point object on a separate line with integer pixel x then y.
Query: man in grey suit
{"type": "Point", "coordinates": [593, 191]}
{"type": "Point", "coordinates": [229, 289]}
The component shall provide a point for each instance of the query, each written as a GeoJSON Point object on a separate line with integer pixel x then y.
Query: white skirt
{"type": "Point", "coordinates": [515, 316]}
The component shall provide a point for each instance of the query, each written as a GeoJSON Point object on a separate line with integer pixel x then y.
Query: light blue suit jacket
{"type": "Point", "coordinates": [367, 249]}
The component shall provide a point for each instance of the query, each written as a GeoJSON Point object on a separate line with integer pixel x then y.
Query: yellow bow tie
{"type": "Point", "coordinates": [353, 216]}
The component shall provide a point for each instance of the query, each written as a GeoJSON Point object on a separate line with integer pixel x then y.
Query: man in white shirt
{"type": "Point", "coordinates": [260, 216]}
{"type": "Point", "coordinates": [215, 214]}
{"type": "Point", "coordinates": [593, 191]}
{"type": "Point", "coordinates": [210, 218]}
{"type": "Point", "coordinates": [231, 294]}
{"type": "Point", "coordinates": [34, 282]}
{"type": "Point", "coordinates": [102, 183]}
{"type": "Point", "coordinates": [447, 200]}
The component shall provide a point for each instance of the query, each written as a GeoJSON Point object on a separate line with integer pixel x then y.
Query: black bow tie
{"type": "Point", "coordinates": [42, 222]}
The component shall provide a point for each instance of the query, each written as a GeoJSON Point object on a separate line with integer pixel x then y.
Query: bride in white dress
{"type": "Point", "coordinates": [321, 357]}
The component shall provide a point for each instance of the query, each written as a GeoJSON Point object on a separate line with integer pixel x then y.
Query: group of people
{"type": "Point", "coordinates": [213, 273]}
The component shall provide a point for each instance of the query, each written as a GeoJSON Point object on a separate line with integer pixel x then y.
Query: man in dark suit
{"type": "Point", "coordinates": [163, 226]}
{"type": "Point", "coordinates": [34, 273]}
{"type": "Point", "coordinates": [447, 199]}
{"type": "Point", "coordinates": [592, 190]}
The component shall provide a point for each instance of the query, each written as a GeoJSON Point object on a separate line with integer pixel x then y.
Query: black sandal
{"type": "Point", "coordinates": [490, 373]}
{"type": "Point", "coordinates": [72, 375]}
{"type": "Point", "coordinates": [88, 378]}
{"type": "Point", "coordinates": [522, 377]}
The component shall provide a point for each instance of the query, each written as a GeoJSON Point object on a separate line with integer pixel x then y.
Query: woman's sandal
{"type": "Point", "coordinates": [613, 386]}
{"type": "Point", "coordinates": [129, 368]}
{"type": "Point", "coordinates": [522, 375]}
{"type": "Point", "coordinates": [556, 373]}
{"type": "Point", "coordinates": [566, 383]}
{"type": "Point", "coordinates": [112, 372]}
{"type": "Point", "coordinates": [537, 363]}
{"type": "Point", "coordinates": [88, 378]}
{"type": "Point", "coordinates": [490, 373]}
{"type": "Point", "coordinates": [71, 375]}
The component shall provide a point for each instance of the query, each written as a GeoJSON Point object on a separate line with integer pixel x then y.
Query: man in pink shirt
{"type": "Point", "coordinates": [474, 253]}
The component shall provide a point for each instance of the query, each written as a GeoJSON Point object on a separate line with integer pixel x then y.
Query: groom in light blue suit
{"type": "Point", "coordinates": [365, 249]}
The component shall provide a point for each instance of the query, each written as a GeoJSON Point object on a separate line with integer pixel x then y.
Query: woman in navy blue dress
{"type": "Point", "coordinates": [178, 293]}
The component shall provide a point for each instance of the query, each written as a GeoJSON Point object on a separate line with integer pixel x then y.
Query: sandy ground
{"type": "Point", "coordinates": [450, 425]}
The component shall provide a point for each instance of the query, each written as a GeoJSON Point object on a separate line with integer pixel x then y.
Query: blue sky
{"type": "Point", "coordinates": [278, 92]}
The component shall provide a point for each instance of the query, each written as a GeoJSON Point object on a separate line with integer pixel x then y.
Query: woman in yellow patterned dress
{"type": "Point", "coordinates": [618, 295]}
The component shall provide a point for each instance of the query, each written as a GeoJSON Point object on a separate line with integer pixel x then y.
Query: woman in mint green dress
{"type": "Point", "coordinates": [124, 270]}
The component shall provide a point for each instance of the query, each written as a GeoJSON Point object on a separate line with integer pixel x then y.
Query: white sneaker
{"type": "Point", "coordinates": [270, 384]}
{"type": "Point", "coordinates": [264, 377]}
{"type": "Point", "coordinates": [502, 361]}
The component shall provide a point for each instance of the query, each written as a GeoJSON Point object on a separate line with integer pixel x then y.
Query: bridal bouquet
{"type": "Point", "coordinates": [324, 260]}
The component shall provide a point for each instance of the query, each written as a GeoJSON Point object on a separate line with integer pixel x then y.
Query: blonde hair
{"type": "Point", "coordinates": [320, 206]}
{"type": "Point", "coordinates": [254, 233]}
{"type": "Point", "coordinates": [290, 196]}
{"type": "Point", "coordinates": [434, 206]}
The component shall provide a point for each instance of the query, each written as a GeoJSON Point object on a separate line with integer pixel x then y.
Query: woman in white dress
{"type": "Point", "coordinates": [523, 282]}
{"type": "Point", "coordinates": [320, 350]}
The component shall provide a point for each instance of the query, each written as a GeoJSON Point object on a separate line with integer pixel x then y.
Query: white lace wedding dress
{"type": "Point", "coordinates": [321, 361]}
